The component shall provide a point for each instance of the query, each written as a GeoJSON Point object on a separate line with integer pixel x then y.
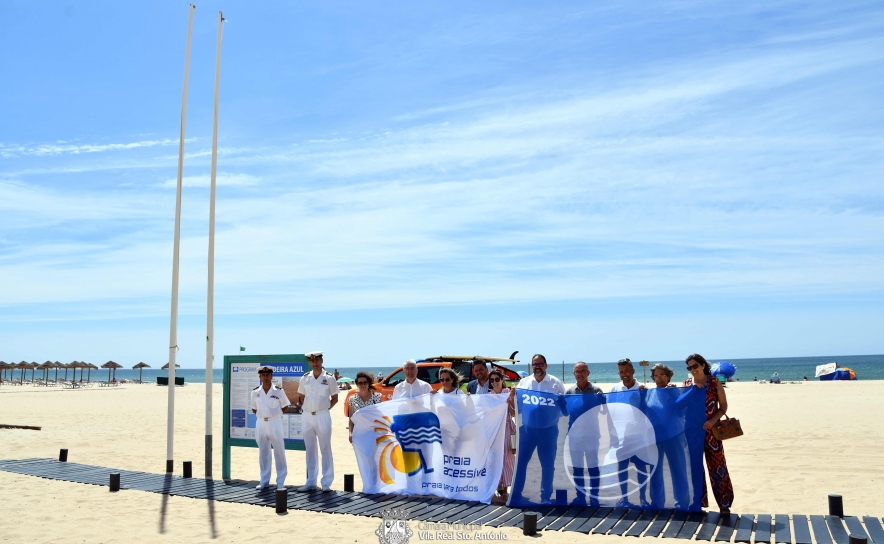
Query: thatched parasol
{"type": "Point", "coordinates": [166, 366]}
{"type": "Point", "coordinates": [3, 367]}
{"type": "Point", "coordinates": [140, 367]}
{"type": "Point", "coordinates": [23, 366]}
{"type": "Point", "coordinates": [110, 365]}
{"type": "Point", "coordinates": [57, 365]}
{"type": "Point", "coordinates": [34, 366]}
{"type": "Point", "coordinates": [45, 368]}
{"type": "Point", "coordinates": [91, 367]}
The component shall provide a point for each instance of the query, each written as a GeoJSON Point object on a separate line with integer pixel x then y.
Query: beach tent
{"type": "Point", "coordinates": [723, 368]}
{"type": "Point", "coordinates": [839, 374]}
{"type": "Point", "coordinates": [141, 367]}
{"type": "Point", "coordinates": [828, 368]}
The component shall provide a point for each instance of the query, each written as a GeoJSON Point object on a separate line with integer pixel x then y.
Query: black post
{"type": "Point", "coordinates": [282, 501]}
{"type": "Point", "coordinates": [115, 481]}
{"type": "Point", "coordinates": [188, 469]}
{"type": "Point", "coordinates": [348, 482]}
{"type": "Point", "coordinates": [857, 539]}
{"type": "Point", "coordinates": [529, 523]}
{"type": "Point", "coordinates": [836, 506]}
{"type": "Point", "coordinates": [63, 455]}
{"type": "Point", "coordinates": [170, 466]}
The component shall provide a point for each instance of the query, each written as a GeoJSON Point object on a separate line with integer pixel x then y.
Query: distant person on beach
{"type": "Point", "coordinates": [583, 451]}
{"type": "Point", "coordinates": [541, 436]}
{"type": "Point", "coordinates": [775, 378]}
{"type": "Point", "coordinates": [480, 384]}
{"type": "Point", "coordinates": [498, 387]}
{"type": "Point", "coordinates": [268, 402]}
{"type": "Point", "coordinates": [716, 407]}
{"type": "Point", "coordinates": [629, 383]}
{"type": "Point", "coordinates": [411, 387]}
{"type": "Point", "coordinates": [318, 391]}
{"type": "Point", "coordinates": [365, 395]}
{"type": "Point", "coordinates": [662, 374]}
{"type": "Point", "coordinates": [380, 377]}
{"type": "Point", "coordinates": [337, 375]}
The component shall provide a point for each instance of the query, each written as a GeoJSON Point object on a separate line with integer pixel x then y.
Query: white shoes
{"type": "Point", "coordinates": [306, 488]}
{"type": "Point", "coordinates": [326, 488]}
{"type": "Point", "coordinates": [280, 488]}
{"type": "Point", "coordinates": [261, 486]}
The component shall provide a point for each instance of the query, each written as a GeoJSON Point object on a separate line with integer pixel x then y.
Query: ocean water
{"type": "Point", "coordinates": [867, 367]}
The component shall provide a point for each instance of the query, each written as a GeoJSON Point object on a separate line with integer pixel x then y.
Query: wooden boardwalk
{"type": "Point", "coordinates": [740, 528]}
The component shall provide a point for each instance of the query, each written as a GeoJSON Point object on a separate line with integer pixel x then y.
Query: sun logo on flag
{"type": "Point", "coordinates": [408, 441]}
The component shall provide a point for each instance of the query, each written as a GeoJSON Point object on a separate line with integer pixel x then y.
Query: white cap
{"type": "Point", "coordinates": [312, 354]}
{"type": "Point", "coordinates": [264, 368]}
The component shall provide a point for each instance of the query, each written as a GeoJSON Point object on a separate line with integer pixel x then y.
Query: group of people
{"type": "Point", "coordinates": [318, 393]}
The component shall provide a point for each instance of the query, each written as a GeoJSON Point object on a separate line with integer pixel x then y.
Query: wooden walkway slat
{"type": "Point", "coordinates": [707, 530]}
{"type": "Point", "coordinates": [839, 533]}
{"type": "Point", "coordinates": [782, 534]}
{"type": "Point", "coordinates": [820, 530]}
{"type": "Point", "coordinates": [593, 520]}
{"type": "Point", "coordinates": [581, 518]}
{"type": "Point", "coordinates": [656, 527]}
{"type": "Point", "coordinates": [690, 525]}
{"type": "Point", "coordinates": [874, 528]}
{"type": "Point", "coordinates": [855, 527]}
{"type": "Point", "coordinates": [565, 518]}
{"type": "Point", "coordinates": [727, 525]}
{"type": "Point", "coordinates": [762, 529]}
{"type": "Point", "coordinates": [626, 522]}
{"type": "Point", "coordinates": [744, 529]}
{"type": "Point", "coordinates": [641, 523]}
{"type": "Point", "coordinates": [802, 529]}
{"type": "Point", "coordinates": [675, 524]}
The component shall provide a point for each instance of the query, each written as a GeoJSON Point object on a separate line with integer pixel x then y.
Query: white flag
{"type": "Point", "coordinates": [446, 445]}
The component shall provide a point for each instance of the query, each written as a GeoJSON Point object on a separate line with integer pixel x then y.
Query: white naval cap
{"type": "Point", "coordinates": [265, 368]}
{"type": "Point", "coordinates": [312, 354]}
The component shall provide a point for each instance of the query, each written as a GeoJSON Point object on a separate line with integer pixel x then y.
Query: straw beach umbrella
{"type": "Point", "coordinates": [57, 366]}
{"type": "Point", "coordinates": [110, 365]}
{"type": "Point", "coordinates": [140, 367]}
{"type": "Point", "coordinates": [45, 368]}
{"type": "Point", "coordinates": [166, 366]}
{"type": "Point", "coordinates": [91, 367]}
{"type": "Point", "coordinates": [34, 366]}
{"type": "Point", "coordinates": [3, 367]}
{"type": "Point", "coordinates": [22, 366]}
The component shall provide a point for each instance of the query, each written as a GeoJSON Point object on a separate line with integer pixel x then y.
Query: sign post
{"type": "Point", "coordinates": [644, 365]}
{"type": "Point", "coordinates": [240, 378]}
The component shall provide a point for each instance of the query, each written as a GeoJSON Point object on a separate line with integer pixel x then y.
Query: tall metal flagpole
{"type": "Point", "coordinates": [173, 325]}
{"type": "Point", "coordinates": [210, 309]}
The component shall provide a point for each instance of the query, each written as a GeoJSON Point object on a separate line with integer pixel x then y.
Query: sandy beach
{"type": "Point", "coordinates": [802, 442]}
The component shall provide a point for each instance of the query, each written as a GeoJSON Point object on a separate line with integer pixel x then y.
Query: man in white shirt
{"type": "Point", "coordinates": [627, 377]}
{"type": "Point", "coordinates": [318, 391]}
{"type": "Point", "coordinates": [268, 402]}
{"type": "Point", "coordinates": [629, 434]}
{"type": "Point", "coordinates": [541, 435]}
{"type": "Point", "coordinates": [411, 387]}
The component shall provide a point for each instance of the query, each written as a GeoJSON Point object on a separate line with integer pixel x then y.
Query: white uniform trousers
{"type": "Point", "coordinates": [269, 433]}
{"type": "Point", "coordinates": [318, 427]}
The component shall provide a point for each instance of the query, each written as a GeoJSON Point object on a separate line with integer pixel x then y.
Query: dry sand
{"type": "Point", "coordinates": [802, 442]}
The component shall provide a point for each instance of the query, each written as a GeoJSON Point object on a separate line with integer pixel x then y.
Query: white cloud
{"type": "Point", "coordinates": [221, 179]}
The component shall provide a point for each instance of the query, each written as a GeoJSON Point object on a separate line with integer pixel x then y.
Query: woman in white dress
{"type": "Point", "coordinates": [498, 387]}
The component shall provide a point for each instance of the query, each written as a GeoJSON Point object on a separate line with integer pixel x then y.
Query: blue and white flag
{"type": "Point", "coordinates": [634, 449]}
{"type": "Point", "coordinates": [446, 445]}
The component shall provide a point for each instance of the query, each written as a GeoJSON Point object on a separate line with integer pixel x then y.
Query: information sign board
{"type": "Point", "coordinates": [240, 378]}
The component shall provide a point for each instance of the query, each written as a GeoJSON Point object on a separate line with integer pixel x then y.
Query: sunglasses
{"type": "Point", "coordinates": [693, 366]}
{"type": "Point", "coordinates": [445, 380]}
{"type": "Point", "coordinates": [363, 382]}
{"type": "Point", "coordinates": [496, 380]}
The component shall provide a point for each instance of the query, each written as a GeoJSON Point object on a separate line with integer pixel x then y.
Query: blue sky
{"type": "Point", "coordinates": [590, 181]}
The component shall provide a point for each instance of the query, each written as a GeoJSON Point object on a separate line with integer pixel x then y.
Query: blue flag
{"type": "Point", "coordinates": [633, 449]}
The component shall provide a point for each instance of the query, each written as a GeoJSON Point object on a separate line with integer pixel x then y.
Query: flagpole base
{"type": "Point", "coordinates": [170, 466]}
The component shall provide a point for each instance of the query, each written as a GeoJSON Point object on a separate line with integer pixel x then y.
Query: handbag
{"type": "Point", "coordinates": [727, 428]}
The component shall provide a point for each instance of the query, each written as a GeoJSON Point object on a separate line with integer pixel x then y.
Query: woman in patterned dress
{"type": "Point", "coordinates": [716, 407]}
{"type": "Point", "coordinates": [364, 396]}
{"type": "Point", "coordinates": [498, 387]}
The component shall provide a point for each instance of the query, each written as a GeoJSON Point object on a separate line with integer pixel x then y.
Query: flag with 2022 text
{"type": "Point", "coordinates": [633, 449]}
{"type": "Point", "coordinates": [446, 445]}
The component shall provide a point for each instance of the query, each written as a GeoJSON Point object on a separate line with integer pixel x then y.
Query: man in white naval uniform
{"type": "Point", "coordinates": [318, 392]}
{"type": "Point", "coordinates": [268, 403]}
{"type": "Point", "coordinates": [411, 387]}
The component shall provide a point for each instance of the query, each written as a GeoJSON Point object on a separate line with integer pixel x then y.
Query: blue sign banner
{"type": "Point", "coordinates": [633, 449]}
